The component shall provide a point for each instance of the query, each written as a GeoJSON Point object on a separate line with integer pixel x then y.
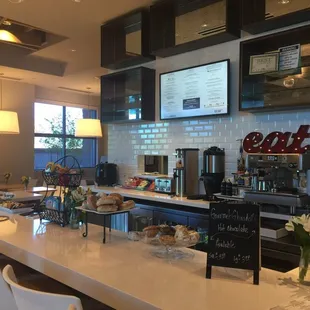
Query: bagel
{"type": "Point", "coordinates": [127, 205]}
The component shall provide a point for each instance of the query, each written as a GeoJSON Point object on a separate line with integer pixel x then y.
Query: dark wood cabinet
{"type": "Point", "coordinates": [128, 96]}
{"type": "Point", "coordinates": [263, 15]}
{"type": "Point", "coordinates": [125, 40]}
{"type": "Point", "coordinates": [282, 88]}
{"type": "Point", "coordinates": [179, 26]}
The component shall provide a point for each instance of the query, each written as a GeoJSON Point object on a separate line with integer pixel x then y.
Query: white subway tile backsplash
{"type": "Point", "coordinates": [127, 141]}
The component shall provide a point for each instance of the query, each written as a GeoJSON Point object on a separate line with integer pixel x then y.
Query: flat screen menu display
{"type": "Point", "coordinates": [194, 92]}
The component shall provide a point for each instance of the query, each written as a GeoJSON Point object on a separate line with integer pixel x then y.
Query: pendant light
{"type": "Point", "coordinates": [8, 120]}
{"type": "Point", "coordinates": [88, 127]}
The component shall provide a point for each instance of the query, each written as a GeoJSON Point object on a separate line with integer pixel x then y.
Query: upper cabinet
{"type": "Point", "coordinates": [128, 96]}
{"type": "Point", "coordinates": [275, 71]}
{"type": "Point", "coordinates": [263, 15]}
{"type": "Point", "coordinates": [125, 40]}
{"type": "Point", "coordinates": [179, 26]}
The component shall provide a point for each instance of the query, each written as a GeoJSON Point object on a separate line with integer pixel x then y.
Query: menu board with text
{"type": "Point", "coordinates": [234, 237]}
{"type": "Point", "coordinates": [197, 91]}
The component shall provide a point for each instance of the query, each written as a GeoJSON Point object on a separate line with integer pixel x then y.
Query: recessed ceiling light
{"type": "Point", "coordinates": [284, 1]}
{"type": "Point", "coordinates": [73, 50]}
{"type": "Point", "coordinates": [77, 1]}
{"type": "Point", "coordinates": [16, 1]}
{"type": "Point", "coordinates": [7, 23]}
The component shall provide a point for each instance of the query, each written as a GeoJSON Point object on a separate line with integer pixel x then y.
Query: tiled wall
{"type": "Point", "coordinates": [125, 142]}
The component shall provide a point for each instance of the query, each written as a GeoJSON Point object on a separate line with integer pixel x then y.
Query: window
{"type": "Point", "coordinates": [54, 135]}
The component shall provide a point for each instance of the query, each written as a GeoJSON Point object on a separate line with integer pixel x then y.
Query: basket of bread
{"type": "Point", "coordinates": [171, 236]}
{"type": "Point", "coordinates": [103, 203]}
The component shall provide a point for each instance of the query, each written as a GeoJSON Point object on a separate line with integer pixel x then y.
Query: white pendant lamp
{"type": "Point", "coordinates": [88, 127]}
{"type": "Point", "coordinates": [9, 124]}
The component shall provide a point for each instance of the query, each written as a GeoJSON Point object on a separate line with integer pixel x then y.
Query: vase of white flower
{"type": "Point", "coordinates": [76, 197]}
{"type": "Point", "coordinates": [300, 226]}
{"type": "Point", "coordinates": [304, 266]}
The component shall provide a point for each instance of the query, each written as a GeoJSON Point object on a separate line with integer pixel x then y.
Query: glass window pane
{"type": "Point", "coordinates": [84, 150]}
{"type": "Point", "coordinates": [72, 114]}
{"type": "Point", "coordinates": [47, 149]}
{"type": "Point", "coordinates": [48, 118]}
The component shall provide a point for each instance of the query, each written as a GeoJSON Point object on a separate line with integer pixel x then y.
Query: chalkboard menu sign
{"type": "Point", "coordinates": [234, 237]}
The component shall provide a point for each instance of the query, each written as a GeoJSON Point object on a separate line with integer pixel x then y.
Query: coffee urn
{"type": "Point", "coordinates": [213, 170]}
{"type": "Point", "coordinates": [186, 172]}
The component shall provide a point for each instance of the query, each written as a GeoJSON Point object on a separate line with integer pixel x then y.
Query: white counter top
{"type": "Point", "coordinates": [124, 275]}
{"type": "Point", "coordinates": [131, 193]}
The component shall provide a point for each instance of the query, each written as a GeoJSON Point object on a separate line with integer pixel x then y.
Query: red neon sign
{"type": "Point", "coordinates": [277, 142]}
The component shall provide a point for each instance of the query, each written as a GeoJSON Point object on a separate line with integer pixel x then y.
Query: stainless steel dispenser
{"type": "Point", "coordinates": [213, 170]}
{"type": "Point", "coordinates": [186, 172]}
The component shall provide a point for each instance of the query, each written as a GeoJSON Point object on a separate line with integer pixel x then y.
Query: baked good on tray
{"type": "Point", "coordinates": [151, 231]}
{"type": "Point", "coordinates": [127, 205]}
{"type": "Point", "coordinates": [166, 230]}
{"type": "Point", "coordinates": [167, 240]}
{"type": "Point", "coordinates": [106, 201]}
{"type": "Point", "coordinates": [107, 208]}
{"type": "Point", "coordinates": [181, 233]}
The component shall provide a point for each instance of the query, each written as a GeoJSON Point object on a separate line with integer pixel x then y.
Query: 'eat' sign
{"type": "Point", "coordinates": [277, 142]}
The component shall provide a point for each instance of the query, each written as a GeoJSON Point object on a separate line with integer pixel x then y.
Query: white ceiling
{"type": "Point", "coordinates": [80, 23]}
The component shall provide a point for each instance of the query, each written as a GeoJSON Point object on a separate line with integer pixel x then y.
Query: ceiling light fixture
{"type": "Point", "coordinates": [73, 50]}
{"type": "Point", "coordinates": [6, 23]}
{"type": "Point", "coordinates": [8, 37]}
{"type": "Point", "coordinates": [77, 1]}
{"type": "Point", "coordinates": [88, 127]}
{"type": "Point", "coordinates": [16, 1]}
{"type": "Point", "coordinates": [284, 1]}
{"type": "Point", "coordinates": [9, 124]}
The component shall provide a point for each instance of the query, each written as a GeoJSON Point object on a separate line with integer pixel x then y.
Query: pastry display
{"type": "Point", "coordinates": [151, 231]}
{"type": "Point", "coordinates": [108, 203]}
{"type": "Point", "coordinates": [176, 236]}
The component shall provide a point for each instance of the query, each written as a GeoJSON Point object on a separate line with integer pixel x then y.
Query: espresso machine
{"type": "Point", "coordinates": [213, 171]}
{"type": "Point", "coordinates": [186, 172]}
{"type": "Point", "coordinates": [279, 179]}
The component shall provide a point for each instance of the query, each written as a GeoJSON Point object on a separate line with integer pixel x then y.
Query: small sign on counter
{"type": "Point", "coordinates": [234, 237]}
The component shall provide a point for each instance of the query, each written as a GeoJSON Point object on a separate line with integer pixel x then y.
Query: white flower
{"type": "Point", "coordinates": [289, 226]}
{"type": "Point", "coordinates": [300, 219]}
{"type": "Point", "coordinates": [307, 225]}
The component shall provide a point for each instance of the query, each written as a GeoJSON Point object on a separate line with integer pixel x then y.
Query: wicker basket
{"type": "Point", "coordinates": [65, 179]}
{"type": "Point", "coordinates": [59, 217]}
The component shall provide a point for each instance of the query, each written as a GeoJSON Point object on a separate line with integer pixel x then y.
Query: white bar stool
{"type": "Point", "coordinates": [27, 299]}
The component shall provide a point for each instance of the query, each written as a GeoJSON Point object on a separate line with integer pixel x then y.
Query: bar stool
{"type": "Point", "coordinates": [27, 299]}
{"type": "Point", "coordinates": [6, 296]}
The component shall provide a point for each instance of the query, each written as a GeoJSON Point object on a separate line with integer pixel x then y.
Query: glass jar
{"type": "Point", "coordinates": [74, 222]}
{"type": "Point", "coordinates": [304, 272]}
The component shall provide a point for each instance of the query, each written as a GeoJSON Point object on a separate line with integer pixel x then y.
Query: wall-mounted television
{"type": "Point", "coordinates": [195, 92]}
